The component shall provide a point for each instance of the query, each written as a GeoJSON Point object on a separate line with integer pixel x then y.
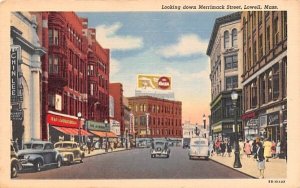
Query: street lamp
{"type": "Point", "coordinates": [79, 115]}
{"type": "Point", "coordinates": [106, 144]}
{"type": "Point", "coordinates": [237, 162]}
{"type": "Point", "coordinates": [204, 125]}
{"type": "Point", "coordinates": [126, 139]}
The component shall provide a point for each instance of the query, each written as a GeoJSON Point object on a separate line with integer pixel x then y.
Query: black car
{"type": "Point", "coordinates": [185, 145]}
{"type": "Point", "coordinates": [39, 154]}
{"type": "Point", "coordinates": [15, 165]}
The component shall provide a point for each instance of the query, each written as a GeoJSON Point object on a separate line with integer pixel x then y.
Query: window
{"type": "Point", "coordinates": [231, 82]}
{"type": "Point", "coordinates": [284, 75]}
{"type": "Point", "coordinates": [91, 89]}
{"type": "Point", "coordinates": [260, 46]}
{"type": "Point", "coordinates": [229, 112]}
{"type": "Point", "coordinates": [143, 120]}
{"type": "Point", "coordinates": [253, 95]}
{"type": "Point", "coordinates": [268, 42]}
{"type": "Point", "coordinates": [249, 57]}
{"type": "Point", "coordinates": [276, 81]}
{"type": "Point", "coordinates": [55, 37]}
{"type": "Point", "coordinates": [270, 91]}
{"type": "Point", "coordinates": [50, 36]}
{"type": "Point", "coordinates": [51, 100]}
{"type": "Point", "coordinates": [254, 53]}
{"type": "Point", "coordinates": [53, 64]}
{"type": "Point", "coordinates": [234, 37]}
{"type": "Point", "coordinates": [284, 24]}
{"type": "Point", "coordinates": [226, 39]}
{"type": "Point", "coordinates": [231, 62]}
{"type": "Point", "coordinates": [276, 31]}
{"type": "Point", "coordinates": [91, 70]}
{"type": "Point", "coordinates": [244, 30]}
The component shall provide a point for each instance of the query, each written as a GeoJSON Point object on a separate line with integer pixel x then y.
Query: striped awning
{"type": "Point", "coordinates": [72, 131]}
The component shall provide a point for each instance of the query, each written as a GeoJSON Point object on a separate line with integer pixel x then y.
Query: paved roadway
{"type": "Point", "coordinates": [138, 164]}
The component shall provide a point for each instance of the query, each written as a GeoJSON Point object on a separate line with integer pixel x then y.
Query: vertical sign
{"type": "Point", "coordinates": [14, 72]}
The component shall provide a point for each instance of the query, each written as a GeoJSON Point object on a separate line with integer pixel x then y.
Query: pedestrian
{"type": "Point", "coordinates": [254, 149]}
{"type": "Point", "coordinates": [217, 146]}
{"type": "Point", "coordinates": [260, 159]}
{"type": "Point", "coordinates": [278, 148]}
{"type": "Point", "coordinates": [273, 149]}
{"type": "Point", "coordinates": [223, 148]}
{"type": "Point", "coordinates": [229, 148]}
{"type": "Point", "coordinates": [89, 145]}
{"type": "Point", "coordinates": [267, 149]}
{"type": "Point", "coordinates": [241, 148]}
{"type": "Point", "coordinates": [247, 149]}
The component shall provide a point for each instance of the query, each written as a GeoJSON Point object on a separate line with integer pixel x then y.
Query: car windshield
{"type": "Point", "coordinates": [159, 143]}
{"type": "Point", "coordinates": [68, 145]}
{"type": "Point", "coordinates": [27, 146]}
{"type": "Point", "coordinates": [37, 146]}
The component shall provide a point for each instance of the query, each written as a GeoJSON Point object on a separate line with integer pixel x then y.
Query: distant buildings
{"type": "Point", "coordinates": [156, 118]}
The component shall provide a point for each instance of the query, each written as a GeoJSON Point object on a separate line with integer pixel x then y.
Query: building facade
{"type": "Point", "coordinates": [265, 73]}
{"type": "Point", "coordinates": [155, 117]}
{"type": "Point", "coordinates": [225, 55]}
{"type": "Point", "coordinates": [116, 91]}
{"type": "Point", "coordinates": [26, 73]}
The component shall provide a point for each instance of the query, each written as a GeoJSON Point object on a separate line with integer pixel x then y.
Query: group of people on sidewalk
{"type": "Point", "coordinates": [260, 150]}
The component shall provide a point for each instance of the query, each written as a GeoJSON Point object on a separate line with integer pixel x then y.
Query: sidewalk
{"type": "Point", "coordinates": [102, 151]}
{"type": "Point", "coordinates": [276, 168]}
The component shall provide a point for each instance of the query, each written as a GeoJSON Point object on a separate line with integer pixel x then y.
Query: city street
{"type": "Point", "coordinates": [137, 164]}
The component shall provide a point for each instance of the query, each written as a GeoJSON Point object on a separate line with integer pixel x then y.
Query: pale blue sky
{"type": "Point", "coordinates": [160, 43]}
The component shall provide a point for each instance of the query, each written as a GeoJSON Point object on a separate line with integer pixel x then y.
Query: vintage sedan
{"type": "Point", "coordinates": [160, 148]}
{"type": "Point", "coordinates": [70, 151]}
{"type": "Point", "coordinates": [199, 148]}
{"type": "Point", "coordinates": [39, 154]}
{"type": "Point", "coordinates": [15, 165]}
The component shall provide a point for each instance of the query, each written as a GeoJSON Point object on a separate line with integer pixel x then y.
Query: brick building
{"type": "Point", "coordinates": [264, 75]}
{"type": "Point", "coordinates": [156, 118]}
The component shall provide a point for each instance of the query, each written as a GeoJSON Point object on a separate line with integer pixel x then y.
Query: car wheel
{"type": "Point", "coordinates": [81, 160]}
{"type": "Point", "coordinates": [14, 171]}
{"type": "Point", "coordinates": [190, 157]}
{"type": "Point", "coordinates": [206, 158]}
{"type": "Point", "coordinates": [168, 156]}
{"type": "Point", "coordinates": [58, 162]}
{"type": "Point", "coordinates": [37, 165]}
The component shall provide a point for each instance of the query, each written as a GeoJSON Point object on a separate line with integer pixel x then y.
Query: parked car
{"type": "Point", "coordinates": [70, 151]}
{"type": "Point", "coordinates": [39, 154]}
{"type": "Point", "coordinates": [199, 148]}
{"type": "Point", "coordinates": [15, 165]}
{"type": "Point", "coordinates": [160, 148]}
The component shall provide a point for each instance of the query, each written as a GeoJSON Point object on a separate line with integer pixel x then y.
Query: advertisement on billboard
{"type": "Point", "coordinates": [154, 82]}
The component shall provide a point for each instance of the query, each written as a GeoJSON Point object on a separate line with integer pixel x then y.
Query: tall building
{"type": "Point", "coordinates": [155, 117]}
{"type": "Point", "coordinates": [116, 91]}
{"type": "Point", "coordinates": [98, 77]}
{"type": "Point", "coordinates": [265, 73]}
{"type": "Point", "coordinates": [26, 72]}
{"type": "Point", "coordinates": [225, 52]}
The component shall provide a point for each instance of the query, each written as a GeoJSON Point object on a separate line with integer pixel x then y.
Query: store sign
{"type": "Point", "coordinates": [97, 126]}
{"type": "Point", "coordinates": [273, 118]}
{"type": "Point", "coordinates": [16, 93]}
{"type": "Point", "coordinates": [252, 122]}
{"type": "Point", "coordinates": [217, 128]}
{"type": "Point", "coordinates": [61, 121]}
{"type": "Point", "coordinates": [58, 100]}
{"type": "Point", "coordinates": [154, 82]}
{"type": "Point", "coordinates": [16, 113]}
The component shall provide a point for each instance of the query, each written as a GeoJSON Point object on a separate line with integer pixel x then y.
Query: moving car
{"type": "Point", "coordinates": [15, 165]}
{"type": "Point", "coordinates": [160, 148]}
{"type": "Point", "coordinates": [186, 143]}
{"type": "Point", "coordinates": [39, 154]}
{"type": "Point", "coordinates": [199, 148]}
{"type": "Point", "coordinates": [70, 151]}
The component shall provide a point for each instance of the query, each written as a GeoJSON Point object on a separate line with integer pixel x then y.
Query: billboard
{"type": "Point", "coordinates": [154, 82]}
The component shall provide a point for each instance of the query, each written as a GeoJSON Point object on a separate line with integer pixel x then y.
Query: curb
{"type": "Point", "coordinates": [233, 168]}
{"type": "Point", "coordinates": [105, 153]}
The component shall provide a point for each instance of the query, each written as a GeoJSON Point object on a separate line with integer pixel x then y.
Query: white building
{"type": "Point", "coordinates": [26, 107]}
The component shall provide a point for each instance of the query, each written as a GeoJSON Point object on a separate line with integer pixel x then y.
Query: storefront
{"type": "Point", "coordinates": [65, 127]}
{"type": "Point", "coordinates": [101, 133]}
{"type": "Point", "coordinates": [217, 131]}
{"type": "Point", "coordinates": [273, 129]}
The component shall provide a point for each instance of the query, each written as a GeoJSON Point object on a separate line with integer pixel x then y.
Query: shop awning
{"type": "Point", "coordinates": [72, 131]}
{"type": "Point", "coordinates": [104, 134]}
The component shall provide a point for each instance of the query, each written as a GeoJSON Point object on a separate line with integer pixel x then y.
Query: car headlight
{"type": "Point", "coordinates": [26, 157]}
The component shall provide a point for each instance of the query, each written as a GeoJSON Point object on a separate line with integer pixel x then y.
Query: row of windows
{"type": "Point", "coordinates": [155, 109]}
{"type": "Point", "coordinates": [224, 109]}
{"type": "Point", "coordinates": [142, 120]}
{"type": "Point", "coordinates": [233, 39]}
{"type": "Point", "coordinates": [164, 132]}
{"type": "Point", "coordinates": [267, 87]}
{"type": "Point", "coordinates": [93, 70]}
{"type": "Point", "coordinates": [75, 38]}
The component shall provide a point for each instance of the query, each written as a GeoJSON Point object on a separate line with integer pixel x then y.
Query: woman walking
{"type": "Point", "coordinates": [229, 149]}
{"type": "Point", "coordinates": [267, 149]}
{"type": "Point", "coordinates": [223, 148]}
{"type": "Point", "coordinates": [247, 149]}
{"type": "Point", "coordinates": [260, 159]}
{"type": "Point", "coordinates": [278, 148]}
{"type": "Point", "coordinates": [254, 149]}
{"type": "Point", "coordinates": [273, 149]}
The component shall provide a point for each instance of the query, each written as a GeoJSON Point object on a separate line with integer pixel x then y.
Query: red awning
{"type": "Point", "coordinates": [104, 134]}
{"type": "Point", "coordinates": [72, 131]}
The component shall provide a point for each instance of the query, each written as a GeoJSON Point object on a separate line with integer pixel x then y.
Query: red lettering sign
{"type": "Point", "coordinates": [164, 82]}
{"type": "Point", "coordinates": [62, 121]}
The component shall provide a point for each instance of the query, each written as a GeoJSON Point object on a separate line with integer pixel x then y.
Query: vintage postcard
{"type": "Point", "coordinates": [143, 94]}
